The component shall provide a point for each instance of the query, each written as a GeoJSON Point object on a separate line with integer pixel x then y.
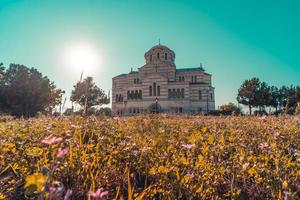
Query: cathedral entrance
{"type": "Point", "coordinates": [155, 108]}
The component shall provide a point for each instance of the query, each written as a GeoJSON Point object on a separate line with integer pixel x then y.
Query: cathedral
{"type": "Point", "coordinates": [159, 87]}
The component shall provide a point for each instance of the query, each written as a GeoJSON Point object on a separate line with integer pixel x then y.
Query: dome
{"type": "Point", "coordinates": [160, 53]}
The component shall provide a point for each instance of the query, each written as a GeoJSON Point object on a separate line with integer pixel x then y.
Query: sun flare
{"type": "Point", "coordinates": [82, 57]}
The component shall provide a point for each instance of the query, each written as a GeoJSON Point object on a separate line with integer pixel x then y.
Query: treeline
{"type": "Point", "coordinates": [256, 94]}
{"type": "Point", "coordinates": [25, 92]}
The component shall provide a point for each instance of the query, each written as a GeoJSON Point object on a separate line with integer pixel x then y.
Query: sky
{"type": "Point", "coordinates": [234, 40]}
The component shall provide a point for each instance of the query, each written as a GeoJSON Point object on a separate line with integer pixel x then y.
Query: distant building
{"type": "Point", "coordinates": [159, 87]}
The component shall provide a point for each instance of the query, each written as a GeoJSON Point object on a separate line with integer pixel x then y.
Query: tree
{"type": "Point", "coordinates": [291, 100]}
{"type": "Point", "coordinates": [229, 109]}
{"type": "Point", "coordinates": [298, 108]}
{"type": "Point", "coordinates": [263, 96]}
{"type": "Point", "coordinates": [25, 92]}
{"type": "Point", "coordinates": [87, 94]}
{"type": "Point", "coordinates": [248, 93]}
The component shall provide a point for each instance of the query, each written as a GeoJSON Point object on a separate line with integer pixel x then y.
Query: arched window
{"type": "Point", "coordinates": [140, 94]}
{"type": "Point", "coordinates": [154, 89]}
{"type": "Point", "coordinates": [117, 98]}
{"type": "Point", "coordinates": [150, 90]}
{"type": "Point", "coordinates": [211, 96]}
{"type": "Point", "coordinates": [157, 55]}
{"type": "Point", "coordinates": [182, 93]}
{"type": "Point", "coordinates": [182, 79]}
{"type": "Point", "coordinates": [128, 95]}
{"type": "Point", "coordinates": [174, 93]}
{"type": "Point", "coordinates": [166, 56]}
{"type": "Point", "coordinates": [200, 95]}
{"type": "Point", "coordinates": [151, 57]}
{"type": "Point", "coordinates": [136, 94]}
{"type": "Point", "coordinates": [169, 93]}
{"type": "Point", "coordinates": [178, 93]}
{"type": "Point", "coordinates": [158, 90]}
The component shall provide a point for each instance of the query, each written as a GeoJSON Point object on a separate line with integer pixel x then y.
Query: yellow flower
{"type": "Point", "coordinates": [35, 183]}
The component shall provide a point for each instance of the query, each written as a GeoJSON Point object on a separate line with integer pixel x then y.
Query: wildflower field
{"type": "Point", "coordinates": [150, 157]}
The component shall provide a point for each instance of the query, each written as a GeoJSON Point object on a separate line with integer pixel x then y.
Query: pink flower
{"type": "Point", "coordinates": [263, 118]}
{"type": "Point", "coordinates": [62, 152]}
{"type": "Point", "coordinates": [68, 194]}
{"type": "Point", "coordinates": [100, 193]}
{"type": "Point", "coordinates": [263, 145]}
{"type": "Point", "coordinates": [52, 140]}
{"type": "Point", "coordinates": [188, 146]}
{"type": "Point", "coordinates": [276, 134]}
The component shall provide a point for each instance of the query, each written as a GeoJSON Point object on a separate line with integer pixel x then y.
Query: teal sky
{"type": "Point", "coordinates": [235, 40]}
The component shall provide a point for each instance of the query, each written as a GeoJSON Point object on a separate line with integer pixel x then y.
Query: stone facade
{"type": "Point", "coordinates": [159, 87]}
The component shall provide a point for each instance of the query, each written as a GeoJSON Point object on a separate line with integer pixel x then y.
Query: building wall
{"type": "Point", "coordinates": [164, 74]}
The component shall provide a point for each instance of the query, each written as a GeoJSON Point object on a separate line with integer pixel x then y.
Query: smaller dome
{"type": "Point", "coordinates": [160, 53]}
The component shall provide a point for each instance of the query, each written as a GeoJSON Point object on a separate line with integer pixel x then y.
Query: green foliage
{"type": "Point", "coordinates": [151, 157]}
{"type": "Point", "coordinates": [229, 109]}
{"type": "Point", "coordinates": [87, 94]}
{"type": "Point", "coordinates": [247, 94]}
{"type": "Point", "coordinates": [258, 94]}
{"type": "Point", "coordinates": [25, 92]}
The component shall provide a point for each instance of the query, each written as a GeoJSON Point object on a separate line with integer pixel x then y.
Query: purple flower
{"type": "Point", "coordinates": [135, 152]}
{"type": "Point", "coordinates": [62, 152]}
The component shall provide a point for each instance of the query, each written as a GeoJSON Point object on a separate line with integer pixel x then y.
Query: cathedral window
{"type": "Point", "coordinates": [166, 56]}
{"type": "Point", "coordinates": [150, 90]}
{"type": "Point", "coordinates": [178, 93]}
{"type": "Point", "coordinates": [154, 89]}
{"type": "Point", "coordinates": [158, 90]}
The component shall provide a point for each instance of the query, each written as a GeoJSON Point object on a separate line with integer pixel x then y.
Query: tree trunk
{"type": "Point", "coordinates": [250, 109]}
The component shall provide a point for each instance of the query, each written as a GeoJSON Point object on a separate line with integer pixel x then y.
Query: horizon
{"type": "Point", "coordinates": [263, 45]}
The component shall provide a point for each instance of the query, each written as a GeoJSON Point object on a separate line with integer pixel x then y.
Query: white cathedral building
{"type": "Point", "coordinates": [158, 86]}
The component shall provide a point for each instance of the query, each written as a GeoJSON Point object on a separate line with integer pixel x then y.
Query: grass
{"type": "Point", "coordinates": [150, 157]}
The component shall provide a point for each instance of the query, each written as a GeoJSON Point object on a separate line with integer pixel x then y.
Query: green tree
{"type": "Point", "coordinates": [291, 100]}
{"type": "Point", "coordinates": [263, 96]}
{"type": "Point", "coordinates": [229, 109]}
{"type": "Point", "coordinates": [25, 92]}
{"type": "Point", "coordinates": [248, 93]}
{"type": "Point", "coordinates": [87, 94]}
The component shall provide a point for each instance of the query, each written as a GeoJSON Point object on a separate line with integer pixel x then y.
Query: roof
{"type": "Point", "coordinates": [120, 75]}
{"type": "Point", "coordinates": [192, 69]}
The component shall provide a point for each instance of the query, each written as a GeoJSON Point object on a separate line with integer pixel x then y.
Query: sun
{"type": "Point", "coordinates": [82, 58]}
